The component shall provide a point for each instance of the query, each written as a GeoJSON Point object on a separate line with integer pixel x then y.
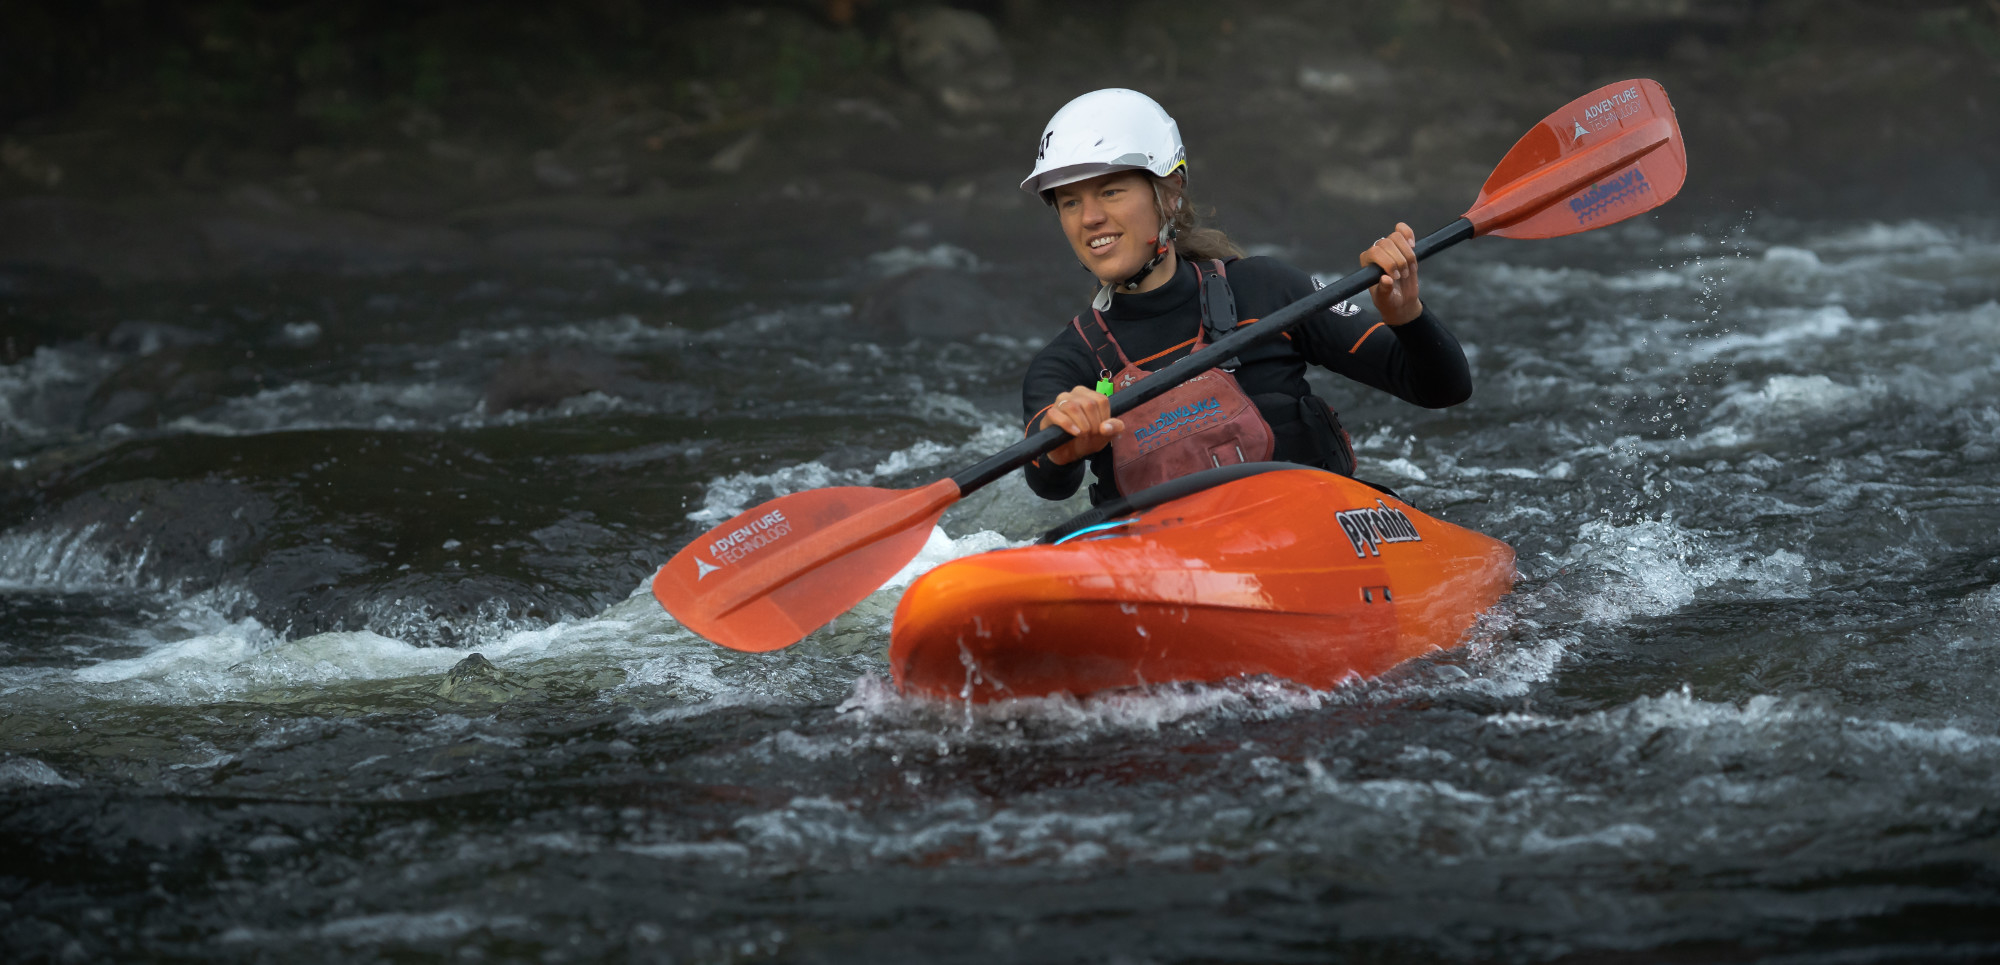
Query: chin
{"type": "Point", "coordinates": [1117, 275]}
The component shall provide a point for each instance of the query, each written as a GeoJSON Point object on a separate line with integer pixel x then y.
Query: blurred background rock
{"type": "Point", "coordinates": [156, 140]}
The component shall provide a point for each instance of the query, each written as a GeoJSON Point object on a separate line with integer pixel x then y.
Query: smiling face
{"type": "Point", "coordinates": [1111, 221]}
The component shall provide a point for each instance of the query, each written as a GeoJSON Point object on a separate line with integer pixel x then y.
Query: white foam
{"type": "Point", "coordinates": [903, 259]}
{"type": "Point", "coordinates": [1653, 567]}
{"type": "Point", "coordinates": [1879, 237]}
{"type": "Point", "coordinates": [727, 496]}
{"type": "Point", "coordinates": [617, 333]}
{"type": "Point", "coordinates": [1788, 399]}
{"type": "Point", "coordinates": [1505, 668]}
{"type": "Point", "coordinates": [821, 830]}
{"type": "Point", "coordinates": [1063, 718]}
{"type": "Point", "coordinates": [1616, 836]}
{"type": "Point", "coordinates": [68, 560]}
{"type": "Point", "coordinates": [1984, 604]}
{"type": "Point", "coordinates": [28, 772]}
{"type": "Point", "coordinates": [413, 926]}
{"type": "Point", "coordinates": [1757, 725]}
{"type": "Point", "coordinates": [1612, 573]}
{"type": "Point", "coordinates": [179, 661]}
{"type": "Point", "coordinates": [38, 394]}
{"type": "Point", "coordinates": [1894, 736]}
{"type": "Point", "coordinates": [1404, 468]}
{"type": "Point", "coordinates": [1783, 267]}
{"type": "Point", "coordinates": [1780, 340]}
{"type": "Point", "coordinates": [721, 851]}
{"type": "Point", "coordinates": [347, 405]}
{"type": "Point", "coordinates": [941, 548]}
{"type": "Point", "coordinates": [1533, 285]}
{"type": "Point", "coordinates": [243, 658]}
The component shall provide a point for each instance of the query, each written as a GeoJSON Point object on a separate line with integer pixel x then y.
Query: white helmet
{"type": "Point", "coordinates": [1103, 131]}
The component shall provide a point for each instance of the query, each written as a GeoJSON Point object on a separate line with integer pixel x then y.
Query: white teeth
{"type": "Point", "coordinates": [1101, 242]}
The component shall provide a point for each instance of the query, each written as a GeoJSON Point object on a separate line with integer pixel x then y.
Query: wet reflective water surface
{"type": "Point", "coordinates": [1740, 706]}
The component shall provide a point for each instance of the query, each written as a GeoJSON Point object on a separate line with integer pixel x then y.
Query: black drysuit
{"type": "Point", "coordinates": [1419, 362]}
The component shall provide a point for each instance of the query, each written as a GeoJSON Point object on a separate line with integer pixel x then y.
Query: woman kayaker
{"type": "Point", "coordinates": [1112, 165]}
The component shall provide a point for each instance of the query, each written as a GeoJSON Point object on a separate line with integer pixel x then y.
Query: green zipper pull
{"type": "Point", "coordinates": [1103, 386]}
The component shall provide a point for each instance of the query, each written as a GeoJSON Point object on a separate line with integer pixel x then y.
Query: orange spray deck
{"type": "Point", "coordinates": [1300, 574]}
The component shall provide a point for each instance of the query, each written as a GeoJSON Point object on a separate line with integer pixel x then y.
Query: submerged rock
{"type": "Point", "coordinates": [476, 680]}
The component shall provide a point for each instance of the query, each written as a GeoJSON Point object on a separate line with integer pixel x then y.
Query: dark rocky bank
{"type": "Point", "coordinates": [783, 142]}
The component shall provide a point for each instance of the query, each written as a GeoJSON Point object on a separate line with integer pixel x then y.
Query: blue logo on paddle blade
{"type": "Point", "coordinates": [1607, 195]}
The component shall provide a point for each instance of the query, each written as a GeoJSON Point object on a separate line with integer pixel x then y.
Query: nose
{"type": "Point", "coordinates": [1093, 215]}
{"type": "Point", "coordinates": [1092, 212]}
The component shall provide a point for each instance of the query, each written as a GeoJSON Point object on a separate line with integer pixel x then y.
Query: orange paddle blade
{"type": "Point", "coordinates": [772, 575]}
{"type": "Point", "coordinates": [1604, 157]}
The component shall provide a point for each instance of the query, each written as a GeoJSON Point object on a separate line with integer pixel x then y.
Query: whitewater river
{"type": "Point", "coordinates": [1741, 705]}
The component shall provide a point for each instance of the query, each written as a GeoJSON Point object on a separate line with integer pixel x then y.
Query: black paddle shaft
{"type": "Point", "coordinates": [1159, 383]}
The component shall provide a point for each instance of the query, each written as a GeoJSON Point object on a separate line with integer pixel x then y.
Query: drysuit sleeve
{"type": "Point", "coordinates": [1062, 365]}
{"type": "Point", "coordinates": [1419, 362]}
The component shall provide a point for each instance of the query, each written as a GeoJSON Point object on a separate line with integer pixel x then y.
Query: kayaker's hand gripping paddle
{"type": "Point", "coordinates": [768, 577]}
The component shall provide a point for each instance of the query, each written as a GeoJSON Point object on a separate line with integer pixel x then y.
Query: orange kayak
{"type": "Point", "coordinates": [1282, 570]}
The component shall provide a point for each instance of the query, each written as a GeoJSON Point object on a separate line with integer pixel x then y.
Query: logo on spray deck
{"type": "Point", "coordinates": [745, 540]}
{"type": "Point", "coordinates": [1606, 195]}
{"type": "Point", "coordinates": [1178, 418]}
{"type": "Point", "coordinates": [1368, 529]}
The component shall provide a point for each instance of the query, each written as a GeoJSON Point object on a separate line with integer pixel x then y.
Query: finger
{"type": "Point", "coordinates": [1065, 418]}
{"type": "Point", "coordinates": [1374, 256]}
{"type": "Point", "coordinates": [1401, 251]}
